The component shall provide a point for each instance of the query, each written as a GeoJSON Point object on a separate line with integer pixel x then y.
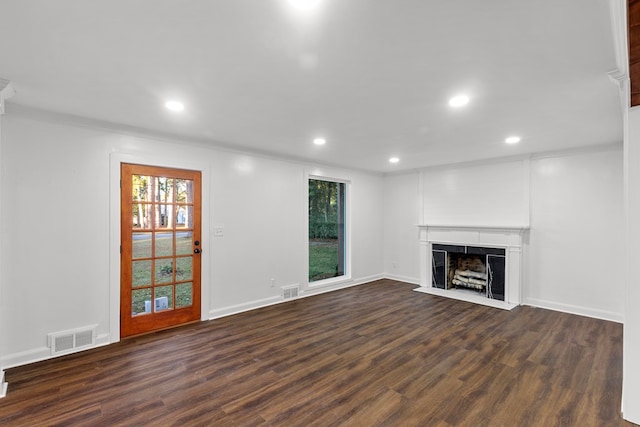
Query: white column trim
{"type": "Point", "coordinates": [6, 92]}
{"type": "Point", "coordinates": [620, 75]}
{"type": "Point", "coordinates": [618, 15]}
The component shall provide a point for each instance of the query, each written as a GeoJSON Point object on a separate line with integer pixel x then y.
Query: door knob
{"type": "Point", "coordinates": [196, 251]}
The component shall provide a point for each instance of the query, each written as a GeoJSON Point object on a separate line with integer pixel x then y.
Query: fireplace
{"type": "Point", "coordinates": [476, 264]}
{"type": "Point", "coordinates": [472, 268]}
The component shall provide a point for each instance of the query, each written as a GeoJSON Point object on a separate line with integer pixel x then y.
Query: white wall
{"type": "Point", "coordinates": [57, 195]}
{"type": "Point", "coordinates": [486, 194]}
{"type": "Point", "coordinates": [367, 225]}
{"type": "Point", "coordinates": [577, 234]}
{"type": "Point", "coordinates": [574, 258]}
{"type": "Point", "coordinates": [401, 215]}
{"type": "Point", "coordinates": [258, 201]}
{"type": "Point", "coordinates": [55, 225]}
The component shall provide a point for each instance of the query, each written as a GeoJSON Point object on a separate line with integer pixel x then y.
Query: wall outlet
{"type": "Point", "coordinates": [394, 266]}
{"type": "Point", "coordinates": [273, 283]}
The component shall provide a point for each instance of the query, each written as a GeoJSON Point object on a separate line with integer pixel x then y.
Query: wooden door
{"type": "Point", "coordinates": [161, 247]}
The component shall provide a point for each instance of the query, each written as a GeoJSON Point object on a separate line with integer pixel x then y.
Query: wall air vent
{"type": "Point", "coordinates": [72, 340]}
{"type": "Point", "coordinates": [290, 292]}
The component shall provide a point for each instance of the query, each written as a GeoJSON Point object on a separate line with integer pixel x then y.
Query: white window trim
{"type": "Point", "coordinates": [346, 277]}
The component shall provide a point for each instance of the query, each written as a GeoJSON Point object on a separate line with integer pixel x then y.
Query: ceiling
{"type": "Point", "coordinates": [372, 77]}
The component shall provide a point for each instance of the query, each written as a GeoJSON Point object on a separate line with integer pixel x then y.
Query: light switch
{"type": "Point", "coordinates": [218, 231]}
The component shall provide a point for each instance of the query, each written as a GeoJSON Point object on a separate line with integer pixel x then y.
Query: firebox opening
{"type": "Point", "coordinates": [467, 271]}
{"type": "Point", "coordinates": [469, 268]}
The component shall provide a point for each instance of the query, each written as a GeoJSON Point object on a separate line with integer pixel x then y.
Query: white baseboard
{"type": "Point", "coordinates": [241, 308]}
{"type": "Point", "coordinates": [406, 279]}
{"type": "Point", "coordinates": [575, 309]}
{"type": "Point", "coordinates": [44, 353]}
{"type": "Point", "coordinates": [3, 385]}
{"type": "Point", "coordinates": [340, 285]}
{"type": "Point", "coordinates": [26, 357]}
{"type": "Point", "coordinates": [252, 305]}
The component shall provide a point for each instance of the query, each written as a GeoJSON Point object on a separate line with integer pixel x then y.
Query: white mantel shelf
{"type": "Point", "coordinates": [476, 227]}
{"type": "Point", "coordinates": [510, 237]}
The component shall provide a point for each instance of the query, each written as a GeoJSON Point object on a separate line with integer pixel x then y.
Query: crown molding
{"type": "Point", "coordinates": [58, 118]}
{"type": "Point", "coordinates": [6, 92]}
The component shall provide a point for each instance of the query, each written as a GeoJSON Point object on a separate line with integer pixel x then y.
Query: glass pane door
{"type": "Point", "coordinates": [160, 283]}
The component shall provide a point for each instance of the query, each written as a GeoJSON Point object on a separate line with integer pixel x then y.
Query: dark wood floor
{"type": "Point", "coordinates": [377, 354]}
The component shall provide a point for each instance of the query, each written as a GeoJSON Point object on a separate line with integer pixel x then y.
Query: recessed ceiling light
{"type": "Point", "coordinates": [304, 4]}
{"type": "Point", "coordinates": [174, 105]}
{"type": "Point", "coordinates": [394, 160]}
{"type": "Point", "coordinates": [512, 140]}
{"type": "Point", "coordinates": [459, 100]}
{"type": "Point", "coordinates": [319, 141]}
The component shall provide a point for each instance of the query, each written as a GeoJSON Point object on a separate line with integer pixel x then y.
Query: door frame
{"type": "Point", "coordinates": [168, 161]}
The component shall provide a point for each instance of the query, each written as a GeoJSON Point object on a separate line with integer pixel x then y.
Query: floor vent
{"type": "Point", "coordinates": [68, 341]}
{"type": "Point", "coordinates": [290, 292]}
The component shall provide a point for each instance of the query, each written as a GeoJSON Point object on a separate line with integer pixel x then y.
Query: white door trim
{"type": "Point", "coordinates": [151, 159]}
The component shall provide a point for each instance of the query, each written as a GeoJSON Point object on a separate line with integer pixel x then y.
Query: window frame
{"type": "Point", "coordinates": [346, 277]}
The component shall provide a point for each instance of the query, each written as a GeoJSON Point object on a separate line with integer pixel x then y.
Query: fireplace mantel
{"type": "Point", "coordinates": [520, 228]}
{"type": "Point", "coordinates": [508, 237]}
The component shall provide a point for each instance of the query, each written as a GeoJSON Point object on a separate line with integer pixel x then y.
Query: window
{"type": "Point", "coordinates": [327, 242]}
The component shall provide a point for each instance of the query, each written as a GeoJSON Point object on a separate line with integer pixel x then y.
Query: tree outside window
{"type": "Point", "coordinates": [326, 229]}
